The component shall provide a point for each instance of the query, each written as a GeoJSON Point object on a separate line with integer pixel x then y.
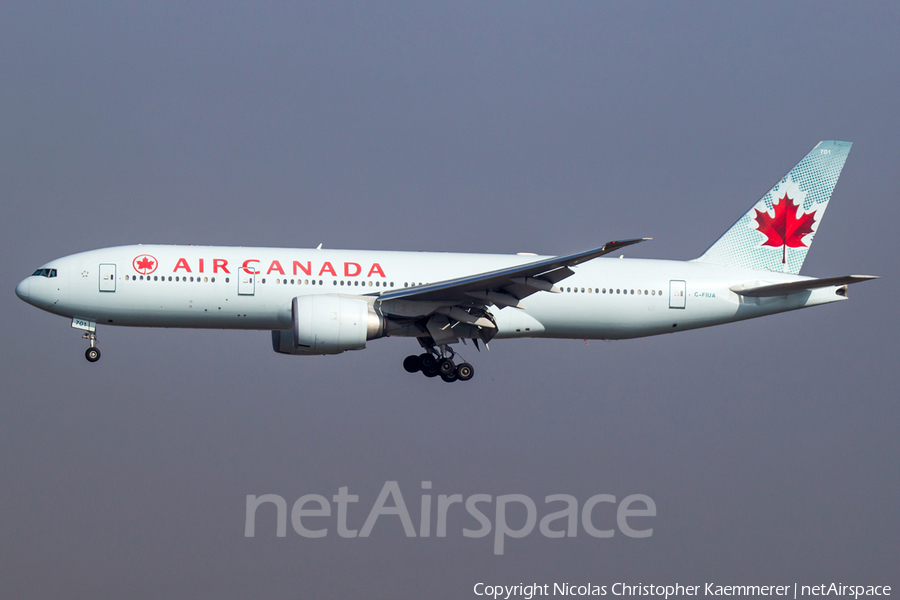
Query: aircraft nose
{"type": "Point", "coordinates": [23, 289]}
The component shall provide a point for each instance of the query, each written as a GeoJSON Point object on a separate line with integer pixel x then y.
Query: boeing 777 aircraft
{"type": "Point", "coordinates": [318, 301]}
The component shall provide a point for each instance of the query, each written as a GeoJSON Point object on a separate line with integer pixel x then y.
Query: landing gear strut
{"type": "Point", "coordinates": [92, 353]}
{"type": "Point", "coordinates": [439, 361]}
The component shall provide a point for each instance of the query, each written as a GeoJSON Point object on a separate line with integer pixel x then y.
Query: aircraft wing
{"type": "Point", "coordinates": [505, 287]}
{"type": "Point", "coordinates": [443, 311]}
{"type": "Point", "coordinates": [783, 289]}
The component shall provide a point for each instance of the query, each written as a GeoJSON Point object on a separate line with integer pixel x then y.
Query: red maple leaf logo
{"type": "Point", "coordinates": [144, 264]}
{"type": "Point", "coordinates": [787, 227]}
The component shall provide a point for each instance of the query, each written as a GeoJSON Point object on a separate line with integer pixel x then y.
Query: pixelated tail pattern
{"type": "Point", "coordinates": [808, 186]}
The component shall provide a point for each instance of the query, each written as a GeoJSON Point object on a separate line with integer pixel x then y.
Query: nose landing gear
{"type": "Point", "coordinates": [90, 334]}
{"type": "Point", "coordinates": [92, 353]}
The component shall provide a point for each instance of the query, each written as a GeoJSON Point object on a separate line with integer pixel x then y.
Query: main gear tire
{"type": "Point", "coordinates": [446, 367]}
{"type": "Point", "coordinates": [465, 371]}
{"type": "Point", "coordinates": [427, 360]}
{"type": "Point", "coordinates": [412, 363]}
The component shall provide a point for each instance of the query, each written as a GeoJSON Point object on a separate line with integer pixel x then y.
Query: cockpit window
{"type": "Point", "coordinates": [44, 273]}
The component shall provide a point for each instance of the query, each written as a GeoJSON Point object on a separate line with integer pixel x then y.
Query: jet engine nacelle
{"type": "Point", "coordinates": [326, 324]}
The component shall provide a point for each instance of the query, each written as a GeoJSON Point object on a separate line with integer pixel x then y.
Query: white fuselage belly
{"type": "Point", "coordinates": [636, 301]}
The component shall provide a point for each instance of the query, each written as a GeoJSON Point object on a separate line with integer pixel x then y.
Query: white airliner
{"type": "Point", "coordinates": [318, 301]}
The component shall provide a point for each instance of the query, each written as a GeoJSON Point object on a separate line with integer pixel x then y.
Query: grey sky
{"type": "Point", "coordinates": [770, 446]}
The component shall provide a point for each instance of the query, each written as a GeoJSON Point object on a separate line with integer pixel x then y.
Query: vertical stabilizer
{"type": "Point", "coordinates": [776, 233]}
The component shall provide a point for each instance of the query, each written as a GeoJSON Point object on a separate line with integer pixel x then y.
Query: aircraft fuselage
{"type": "Point", "coordinates": [252, 288]}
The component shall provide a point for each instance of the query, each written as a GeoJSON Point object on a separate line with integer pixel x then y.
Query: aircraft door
{"type": "Point", "coordinates": [107, 278]}
{"type": "Point", "coordinates": [677, 293]}
{"type": "Point", "coordinates": [246, 283]}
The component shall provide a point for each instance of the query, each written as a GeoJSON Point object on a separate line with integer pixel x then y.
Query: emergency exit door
{"type": "Point", "coordinates": [677, 293]}
{"type": "Point", "coordinates": [107, 278]}
{"type": "Point", "coordinates": [246, 283]}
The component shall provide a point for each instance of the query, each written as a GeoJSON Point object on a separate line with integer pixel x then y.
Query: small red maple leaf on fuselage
{"type": "Point", "coordinates": [144, 264]}
{"type": "Point", "coordinates": [786, 228]}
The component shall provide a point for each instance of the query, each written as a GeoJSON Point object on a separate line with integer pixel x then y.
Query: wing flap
{"type": "Point", "coordinates": [538, 283]}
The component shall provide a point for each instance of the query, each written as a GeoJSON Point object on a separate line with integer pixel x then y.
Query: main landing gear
{"type": "Point", "coordinates": [92, 353]}
{"type": "Point", "coordinates": [439, 363]}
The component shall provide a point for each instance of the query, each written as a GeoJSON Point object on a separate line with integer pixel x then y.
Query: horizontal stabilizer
{"type": "Point", "coordinates": [783, 289]}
